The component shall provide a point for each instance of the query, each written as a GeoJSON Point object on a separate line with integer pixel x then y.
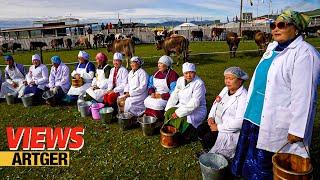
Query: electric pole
{"type": "Point", "coordinates": [240, 32]}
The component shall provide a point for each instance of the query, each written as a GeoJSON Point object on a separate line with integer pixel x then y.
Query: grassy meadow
{"type": "Point", "coordinates": [110, 153]}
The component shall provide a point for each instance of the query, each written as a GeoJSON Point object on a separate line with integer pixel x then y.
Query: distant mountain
{"type": "Point", "coordinates": [152, 22]}
{"type": "Point", "coordinates": [176, 23]}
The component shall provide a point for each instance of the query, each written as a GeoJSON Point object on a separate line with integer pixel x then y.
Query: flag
{"type": "Point", "coordinates": [237, 19]}
{"type": "Point", "coordinates": [227, 19]}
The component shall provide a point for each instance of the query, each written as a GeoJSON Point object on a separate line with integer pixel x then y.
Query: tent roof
{"type": "Point", "coordinates": [188, 24]}
{"type": "Point", "coordinates": [185, 26]}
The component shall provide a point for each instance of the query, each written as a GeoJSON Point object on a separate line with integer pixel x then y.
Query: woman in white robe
{"type": "Point", "coordinates": [85, 70]}
{"type": "Point", "coordinates": [14, 78]}
{"type": "Point", "coordinates": [135, 91]}
{"type": "Point", "coordinates": [37, 78]}
{"type": "Point", "coordinates": [186, 107]}
{"type": "Point", "coordinates": [59, 79]}
{"type": "Point", "coordinates": [118, 79]}
{"type": "Point", "coordinates": [226, 115]}
{"type": "Point", "coordinates": [99, 85]}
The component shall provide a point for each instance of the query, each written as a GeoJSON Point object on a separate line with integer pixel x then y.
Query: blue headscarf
{"type": "Point", "coordinates": [8, 57]}
{"type": "Point", "coordinates": [56, 60]}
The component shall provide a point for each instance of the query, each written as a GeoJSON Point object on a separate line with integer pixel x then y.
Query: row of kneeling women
{"type": "Point", "coordinates": [245, 127]}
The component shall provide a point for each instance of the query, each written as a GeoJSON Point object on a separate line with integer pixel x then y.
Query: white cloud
{"type": "Point", "coordinates": [215, 9]}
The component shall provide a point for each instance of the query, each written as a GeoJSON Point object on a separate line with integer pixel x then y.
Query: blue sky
{"type": "Point", "coordinates": [148, 9]}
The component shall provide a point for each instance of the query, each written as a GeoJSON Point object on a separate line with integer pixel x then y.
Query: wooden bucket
{"type": "Point", "coordinates": [291, 166]}
{"type": "Point", "coordinates": [121, 103]}
{"type": "Point", "coordinates": [77, 82]}
{"type": "Point", "coordinates": [169, 136]}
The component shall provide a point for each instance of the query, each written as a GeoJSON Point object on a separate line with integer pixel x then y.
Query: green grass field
{"type": "Point", "coordinates": [110, 153]}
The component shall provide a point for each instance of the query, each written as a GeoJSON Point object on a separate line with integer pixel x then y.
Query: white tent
{"type": "Point", "coordinates": [186, 26]}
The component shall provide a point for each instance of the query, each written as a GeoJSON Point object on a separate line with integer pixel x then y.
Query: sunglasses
{"type": "Point", "coordinates": [280, 25]}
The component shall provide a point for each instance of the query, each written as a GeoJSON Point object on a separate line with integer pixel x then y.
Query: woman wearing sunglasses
{"type": "Point", "coordinates": [281, 100]}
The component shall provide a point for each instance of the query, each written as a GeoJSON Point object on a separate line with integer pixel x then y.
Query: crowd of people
{"type": "Point", "coordinates": [247, 127]}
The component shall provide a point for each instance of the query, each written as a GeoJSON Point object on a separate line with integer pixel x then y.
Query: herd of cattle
{"type": "Point", "coordinates": [170, 42]}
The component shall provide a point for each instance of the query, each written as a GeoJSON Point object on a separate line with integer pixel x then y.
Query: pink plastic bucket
{"type": "Point", "coordinates": [95, 108]}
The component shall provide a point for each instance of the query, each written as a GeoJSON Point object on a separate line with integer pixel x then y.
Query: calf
{"type": "Point", "coordinates": [56, 43]}
{"type": "Point", "coordinates": [68, 43]}
{"type": "Point", "coordinates": [83, 41]}
{"type": "Point", "coordinates": [123, 46]}
{"type": "Point", "coordinates": [11, 46]}
{"type": "Point", "coordinates": [261, 41]}
{"type": "Point", "coordinates": [174, 44]}
{"type": "Point", "coordinates": [233, 42]}
{"type": "Point", "coordinates": [197, 34]}
{"type": "Point", "coordinates": [98, 39]}
{"type": "Point", "coordinates": [110, 38]}
{"type": "Point", "coordinates": [36, 44]}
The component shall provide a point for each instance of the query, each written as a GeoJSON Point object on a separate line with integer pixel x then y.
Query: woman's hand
{"type": "Point", "coordinates": [293, 139]}
{"type": "Point", "coordinates": [213, 126]}
{"type": "Point", "coordinates": [77, 76]}
{"type": "Point", "coordinates": [14, 85]}
{"type": "Point", "coordinates": [157, 95]}
{"type": "Point", "coordinates": [211, 121]}
{"type": "Point", "coordinates": [174, 116]}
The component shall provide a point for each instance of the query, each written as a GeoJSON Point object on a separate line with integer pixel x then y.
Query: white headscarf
{"type": "Point", "coordinates": [84, 55]}
{"type": "Point", "coordinates": [166, 60]}
{"type": "Point", "coordinates": [137, 60]}
{"type": "Point", "coordinates": [237, 72]}
{"type": "Point", "coordinates": [188, 67]}
{"type": "Point", "coordinates": [117, 56]}
{"type": "Point", "coordinates": [36, 57]}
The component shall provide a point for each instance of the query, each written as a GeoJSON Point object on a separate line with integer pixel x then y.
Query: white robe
{"type": "Point", "coordinates": [161, 87]}
{"type": "Point", "coordinates": [190, 100]}
{"type": "Point", "coordinates": [87, 78]}
{"type": "Point", "coordinates": [137, 88]}
{"type": "Point", "coordinates": [290, 97]}
{"type": "Point", "coordinates": [101, 82]}
{"type": "Point", "coordinates": [60, 77]}
{"type": "Point", "coordinates": [121, 81]}
{"type": "Point", "coordinates": [232, 118]}
{"type": "Point", "coordinates": [39, 75]}
{"type": "Point", "coordinates": [14, 76]}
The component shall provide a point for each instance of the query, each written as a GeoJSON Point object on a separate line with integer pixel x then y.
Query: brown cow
{"type": "Point", "coordinates": [233, 43]}
{"type": "Point", "coordinates": [83, 41]}
{"type": "Point", "coordinates": [68, 43]}
{"type": "Point", "coordinates": [261, 40]}
{"type": "Point", "coordinates": [216, 32]}
{"type": "Point", "coordinates": [124, 46]}
{"type": "Point", "coordinates": [175, 44]}
{"type": "Point", "coordinates": [56, 43]}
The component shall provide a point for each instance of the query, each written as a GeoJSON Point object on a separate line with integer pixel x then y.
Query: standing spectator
{"type": "Point", "coordinates": [102, 26]}
{"type": "Point", "coordinates": [281, 103]}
